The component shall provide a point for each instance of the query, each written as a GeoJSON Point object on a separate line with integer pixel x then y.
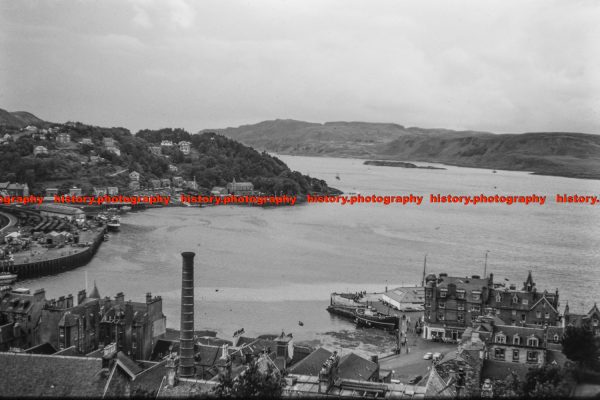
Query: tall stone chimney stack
{"type": "Point", "coordinates": [186, 339]}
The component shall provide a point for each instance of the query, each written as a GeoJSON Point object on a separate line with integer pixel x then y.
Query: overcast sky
{"type": "Point", "coordinates": [502, 66]}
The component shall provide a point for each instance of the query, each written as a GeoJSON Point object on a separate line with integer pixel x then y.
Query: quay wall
{"type": "Point", "coordinates": [55, 265]}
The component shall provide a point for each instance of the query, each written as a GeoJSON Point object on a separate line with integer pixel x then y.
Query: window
{"type": "Point", "coordinates": [514, 312]}
{"type": "Point", "coordinates": [441, 316]}
{"type": "Point", "coordinates": [498, 298]}
{"type": "Point", "coordinates": [547, 316]}
{"type": "Point", "coordinates": [476, 296]}
{"type": "Point", "coordinates": [443, 293]}
{"type": "Point", "coordinates": [497, 311]}
{"type": "Point", "coordinates": [515, 355]}
{"type": "Point", "coordinates": [475, 308]}
{"type": "Point", "coordinates": [460, 317]}
{"type": "Point", "coordinates": [460, 306]}
{"type": "Point", "coordinates": [515, 299]}
{"type": "Point", "coordinates": [556, 338]}
{"type": "Point", "coordinates": [533, 342]}
{"type": "Point", "coordinates": [516, 339]}
{"type": "Point", "coordinates": [442, 305]}
{"type": "Point", "coordinates": [499, 354]}
{"type": "Point", "coordinates": [525, 302]}
{"type": "Point", "coordinates": [538, 314]}
{"type": "Point", "coordinates": [523, 317]}
{"type": "Point", "coordinates": [500, 338]}
{"type": "Point", "coordinates": [460, 294]}
{"type": "Point", "coordinates": [532, 356]}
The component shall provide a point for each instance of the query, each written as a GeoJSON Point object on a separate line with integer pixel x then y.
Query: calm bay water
{"type": "Point", "coordinates": [266, 269]}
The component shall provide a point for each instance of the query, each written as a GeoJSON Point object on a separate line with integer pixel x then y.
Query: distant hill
{"type": "Point", "coordinates": [20, 119]}
{"type": "Point", "coordinates": [547, 153]}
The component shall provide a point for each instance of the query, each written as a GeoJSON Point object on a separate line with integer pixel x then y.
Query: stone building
{"type": "Point", "coordinates": [240, 188]}
{"type": "Point", "coordinates": [20, 313]}
{"type": "Point", "coordinates": [590, 321]}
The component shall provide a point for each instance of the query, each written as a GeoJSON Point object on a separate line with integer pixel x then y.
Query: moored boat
{"type": "Point", "coordinates": [6, 278]}
{"type": "Point", "coordinates": [372, 319]}
{"type": "Point", "coordinates": [114, 223]}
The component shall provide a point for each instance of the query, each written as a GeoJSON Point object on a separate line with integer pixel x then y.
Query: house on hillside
{"type": "Point", "coordinates": [37, 150]}
{"type": "Point", "coordinates": [156, 150]}
{"type": "Point", "coordinates": [134, 176]}
{"type": "Point", "coordinates": [63, 138]}
{"type": "Point", "coordinates": [185, 147]}
{"type": "Point", "coordinates": [166, 143]}
{"type": "Point", "coordinates": [240, 188]}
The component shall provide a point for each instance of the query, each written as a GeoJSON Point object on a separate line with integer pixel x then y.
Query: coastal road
{"type": "Point", "coordinates": [12, 221]}
{"type": "Point", "coordinates": [408, 365]}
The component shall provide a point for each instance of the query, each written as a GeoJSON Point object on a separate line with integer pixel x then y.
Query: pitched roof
{"type": "Point", "coordinates": [311, 364]}
{"type": "Point", "coordinates": [37, 375]}
{"type": "Point", "coordinates": [353, 366]}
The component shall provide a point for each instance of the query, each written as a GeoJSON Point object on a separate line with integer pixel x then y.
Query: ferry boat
{"type": "Point", "coordinates": [6, 278]}
{"type": "Point", "coordinates": [114, 223]}
{"type": "Point", "coordinates": [372, 319]}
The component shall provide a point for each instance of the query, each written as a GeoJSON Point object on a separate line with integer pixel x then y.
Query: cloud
{"type": "Point", "coordinates": [507, 66]}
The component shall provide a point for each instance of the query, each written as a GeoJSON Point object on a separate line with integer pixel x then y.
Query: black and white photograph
{"type": "Point", "coordinates": [388, 199]}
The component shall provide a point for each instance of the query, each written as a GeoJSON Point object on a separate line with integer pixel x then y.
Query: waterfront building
{"type": "Point", "coordinates": [100, 191]}
{"type": "Point", "coordinates": [134, 176]}
{"type": "Point", "coordinates": [191, 184]}
{"type": "Point", "coordinates": [527, 306]}
{"type": "Point", "coordinates": [50, 192]}
{"type": "Point", "coordinates": [452, 304]}
{"type": "Point", "coordinates": [14, 189]}
{"type": "Point", "coordinates": [178, 181]}
{"type": "Point", "coordinates": [61, 211]}
{"type": "Point", "coordinates": [155, 183]}
{"type": "Point", "coordinates": [75, 191]}
{"type": "Point", "coordinates": [112, 190]}
{"type": "Point", "coordinates": [218, 191]}
{"type": "Point", "coordinates": [589, 321]}
{"type": "Point", "coordinates": [37, 150]}
{"type": "Point", "coordinates": [165, 183]}
{"type": "Point", "coordinates": [405, 298]}
{"type": "Point", "coordinates": [87, 141]}
{"type": "Point", "coordinates": [134, 185]}
{"type": "Point", "coordinates": [240, 188]}
{"type": "Point", "coordinates": [185, 147]}
{"type": "Point", "coordinates": [63, 138]}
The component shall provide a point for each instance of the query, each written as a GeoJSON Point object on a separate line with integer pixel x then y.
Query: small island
{"type": "Point", "coordinates": [401, 164]}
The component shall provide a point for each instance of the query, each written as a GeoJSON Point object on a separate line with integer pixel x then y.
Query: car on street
{"type": "Point", "coordinates": [415, 379]}
{"type": "Point", "coordinates": [438, 356]}
{"type": "Point", "coordinates": [428, 356]}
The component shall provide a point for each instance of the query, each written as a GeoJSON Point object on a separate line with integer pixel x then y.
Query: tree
{"type": "Point", "coordinates": [580, 345]}
{"type": "Point", "coordinates": [549, 381]}
{"type": "Point", "coordinates": [253, 382]}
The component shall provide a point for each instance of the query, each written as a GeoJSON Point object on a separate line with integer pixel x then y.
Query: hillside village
{"type": "Point", "coordinates": [96, 160]}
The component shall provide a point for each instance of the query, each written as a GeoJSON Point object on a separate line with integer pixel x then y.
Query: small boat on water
{"type": "Point", "coordinates": [126, 208]}
{"type": "Point", "coordinates": [372, 319]}
{"type": "Point", "coordinates": [6, 278]}
{"type": "Point", "coordinates": [114, 223]}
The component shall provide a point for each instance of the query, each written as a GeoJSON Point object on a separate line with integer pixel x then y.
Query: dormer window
{"type": "Point", "coordinates": [515, 299]}
{"type": "Point", "coordinates": [460, 294]}
{"type": "Point", "coordinates": [442, 305]}
{"type": "Point", "coordinates": [516, 339]}
{"type": "Point", "coordinates": [476, 295]}
{"type": "Point", "coordinates": [556, 338]}
{"type": "Point", "coordinates": [538, 314]}
{"type": "Point", "coordinates": [547, 316]}
{"type": "Point", "coordinates": [498, 298]}
{"type": "Point", "coordinates": [533, 341]}
{"type": "Point", "coordinates": [443, 292]}
{"type": "Point", "coordinates": [500, 338]}
{"type": "Point", "coordinates": [525, 302]}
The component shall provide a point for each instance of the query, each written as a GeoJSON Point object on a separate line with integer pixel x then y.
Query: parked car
{"type": "Point", "coordinates": [437, 356]}
{"type": "Point", "coordinates": [428, 356]}
{"type": "Point", "coordinates": [415, 379]}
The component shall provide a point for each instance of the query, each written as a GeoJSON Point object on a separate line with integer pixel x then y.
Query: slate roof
{"type": "Point", "coordinates": [44, 348]}
{"type": "Point", "coordinates": [353, 366]}
{"type": "Point", "coordinates": [311, 364]}
{"type": "Point", "coordinates": [37, 375]}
